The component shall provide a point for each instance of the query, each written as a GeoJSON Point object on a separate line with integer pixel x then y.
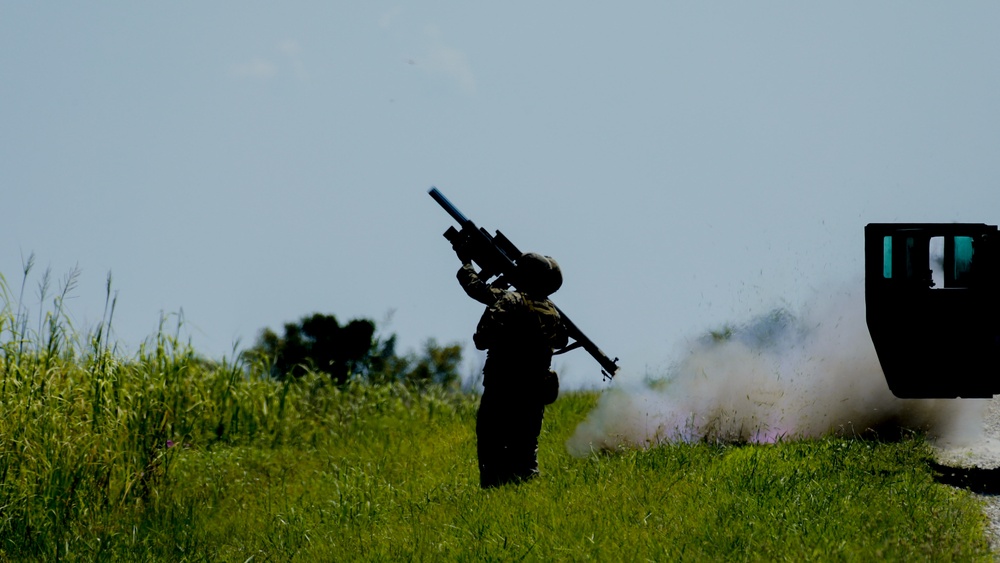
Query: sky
{"type": "Point", "coordinates": [689, 164]}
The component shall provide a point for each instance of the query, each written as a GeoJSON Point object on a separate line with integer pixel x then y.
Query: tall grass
{"type": "Point", "coordinates": [164, 456]}
{"type": "Point", "coordinates": [88, 437]}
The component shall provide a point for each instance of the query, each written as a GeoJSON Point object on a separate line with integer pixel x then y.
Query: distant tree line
{"type": "Point", "coordinates": [353, 351]}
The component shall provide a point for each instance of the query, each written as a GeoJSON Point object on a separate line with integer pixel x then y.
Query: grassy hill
{"type": "Point", "coordinates": [163, 456]}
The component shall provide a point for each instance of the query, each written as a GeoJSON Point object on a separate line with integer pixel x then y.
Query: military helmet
{"type": "Point", "coordinates": [538, 275]}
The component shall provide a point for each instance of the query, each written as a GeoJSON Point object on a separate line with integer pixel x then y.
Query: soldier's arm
{"type": "Point", "coordinates": [475, 287]}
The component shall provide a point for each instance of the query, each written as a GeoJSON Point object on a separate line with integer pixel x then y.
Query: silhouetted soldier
{"type": "Point", "coordinates": [519, 329]}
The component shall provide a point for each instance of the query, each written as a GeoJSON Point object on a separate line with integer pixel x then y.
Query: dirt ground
{"type": "Point", "coordinates": [976, 466]}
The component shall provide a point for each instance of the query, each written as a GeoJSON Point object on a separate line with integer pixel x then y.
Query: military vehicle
{"type": "Point", "coordinates": [932, 299]}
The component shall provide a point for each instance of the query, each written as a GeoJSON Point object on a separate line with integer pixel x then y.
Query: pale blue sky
{"type": "Point", "coordinates": [689, 164]}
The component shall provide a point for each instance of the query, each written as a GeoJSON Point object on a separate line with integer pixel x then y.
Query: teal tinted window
{"type": "Point", "coordinates": [887, 257]}
{"type": "Point", "coordinates": [963, 257]}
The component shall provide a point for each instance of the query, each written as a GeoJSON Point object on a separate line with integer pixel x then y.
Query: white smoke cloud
{"type": "Point", "coordinates": [779, 376]}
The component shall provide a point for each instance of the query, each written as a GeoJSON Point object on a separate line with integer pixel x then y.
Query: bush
{"type": "Point", "coordinates": [317, 343]}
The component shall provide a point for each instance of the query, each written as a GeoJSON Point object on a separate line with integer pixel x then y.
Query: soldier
{"type": "Point", "coordinates": [520, 330]}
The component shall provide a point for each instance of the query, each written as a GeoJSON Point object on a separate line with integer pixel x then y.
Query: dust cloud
{"type": "Point", "coordinates": [779, 376]}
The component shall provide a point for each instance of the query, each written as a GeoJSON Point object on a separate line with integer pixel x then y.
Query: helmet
{"type": "Point", "coordinates": [539, 275]}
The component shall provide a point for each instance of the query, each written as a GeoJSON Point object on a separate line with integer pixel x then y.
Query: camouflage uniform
{"type": "Point", "coordinates": [519, 330]}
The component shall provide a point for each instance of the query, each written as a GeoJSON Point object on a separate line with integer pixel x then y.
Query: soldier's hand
{"type": "Point", "coordinates": [463, 253]}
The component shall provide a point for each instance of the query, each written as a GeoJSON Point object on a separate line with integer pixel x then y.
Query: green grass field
{"type": "Point", "coordinates": [378, 473]}
{"type": "Point", "coordinates": [162, 456]}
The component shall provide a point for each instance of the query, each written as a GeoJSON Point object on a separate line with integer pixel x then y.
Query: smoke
{"type": "Point", "coordinates": [780, 376]}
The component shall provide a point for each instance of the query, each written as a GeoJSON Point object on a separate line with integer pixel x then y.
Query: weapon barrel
{"type": "Point", "coordinates": [451, 209]}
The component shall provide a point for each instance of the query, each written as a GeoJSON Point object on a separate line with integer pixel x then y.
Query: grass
{"type": "Point", "coordinates": [163, 456]}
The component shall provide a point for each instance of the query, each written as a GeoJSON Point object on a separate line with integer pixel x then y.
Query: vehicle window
{"type": "Point", "coordinates": [887, 257]}
{"type": "Point", "coordinates": [935, 259]}
{"type": "Point", "coordinates": [963, 260]}
{"type": "Point", "coordinates": [911, 267]}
